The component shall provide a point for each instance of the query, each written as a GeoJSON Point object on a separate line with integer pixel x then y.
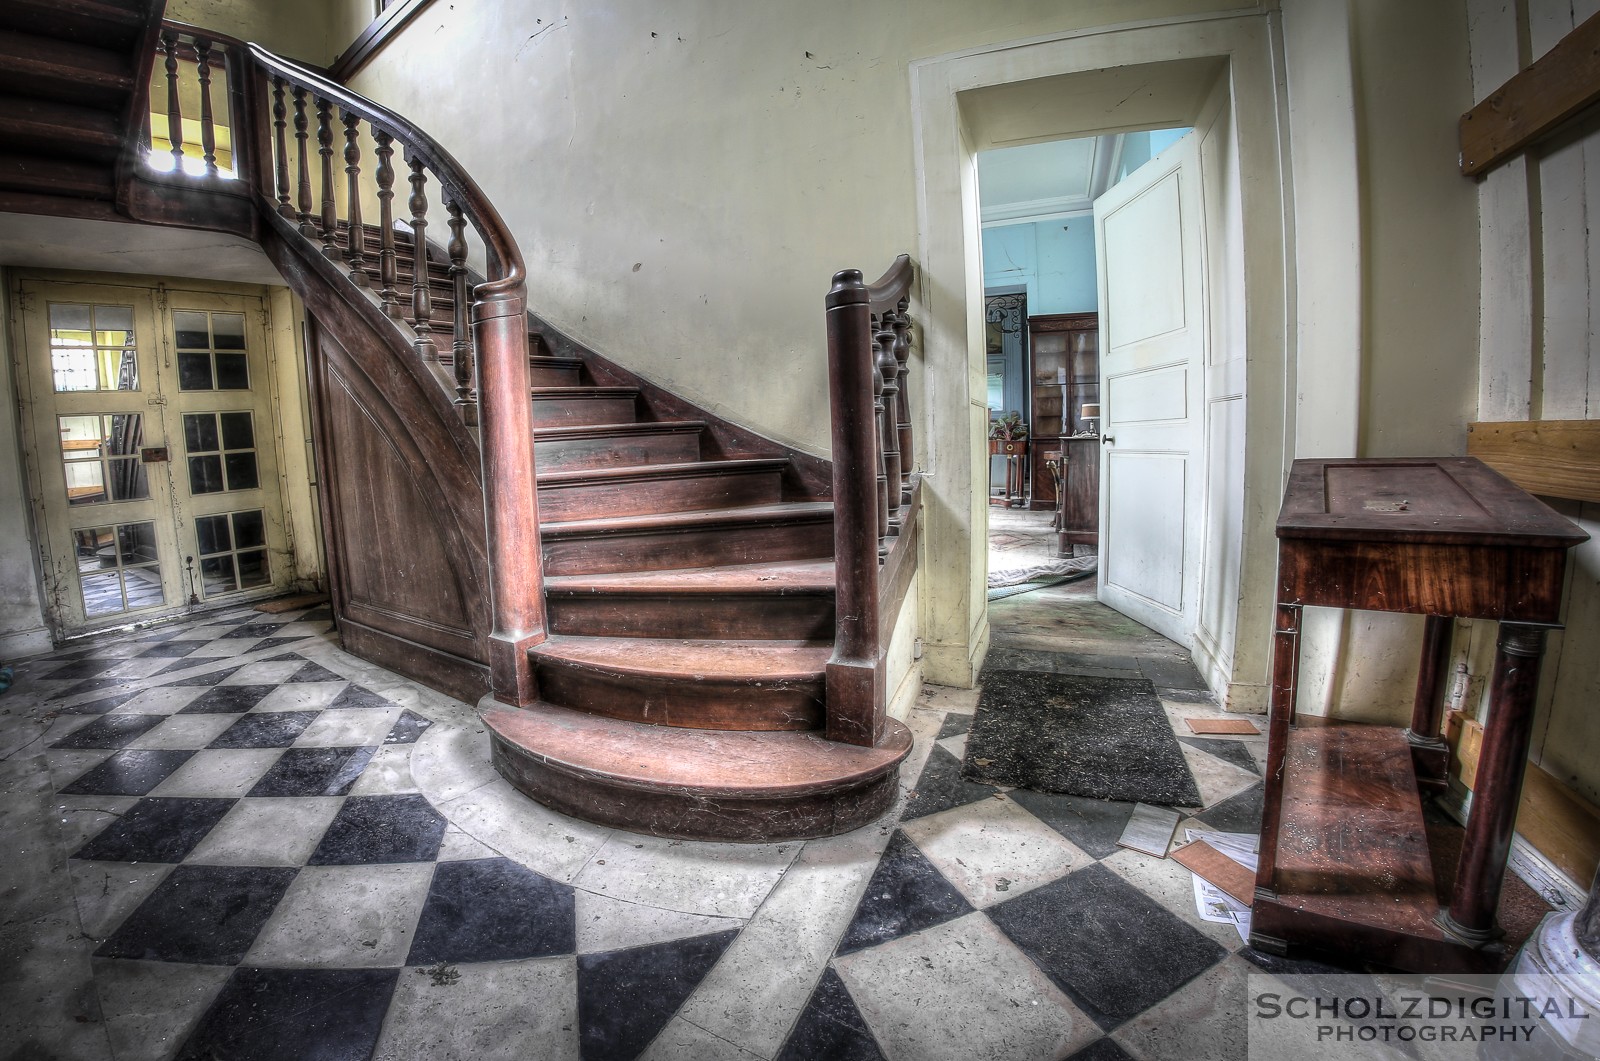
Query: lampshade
{"type": "Point", "coordinates": [1091, 409]}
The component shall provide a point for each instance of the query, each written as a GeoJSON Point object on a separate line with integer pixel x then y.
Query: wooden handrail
{"type": "Point", "coordinates": [868, 331]}
{"type": "Point", "coordinates": [489, 377]}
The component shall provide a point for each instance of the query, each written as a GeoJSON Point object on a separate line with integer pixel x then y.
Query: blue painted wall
{"type": "Point", "coordinates": [1053, 259]}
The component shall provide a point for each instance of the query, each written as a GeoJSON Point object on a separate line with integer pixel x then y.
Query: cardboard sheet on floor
{"type": "Point", "coordinates": [1203, 860]}
{"type": "Point", "coordinates": [1149, 830]}
{"type": "Point", "coordinates": [1222, 725]}
{"type": "Point", "coordinates": [289, 604]}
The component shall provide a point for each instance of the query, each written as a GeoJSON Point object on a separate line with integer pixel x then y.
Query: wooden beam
{"type": "Point", "coordinates": [1534, 102]}
{"type": "Point", "coordinates": [1552, 458]}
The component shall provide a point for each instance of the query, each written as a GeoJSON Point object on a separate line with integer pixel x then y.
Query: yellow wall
{"type": "Point", "coordinates": [295, 29]}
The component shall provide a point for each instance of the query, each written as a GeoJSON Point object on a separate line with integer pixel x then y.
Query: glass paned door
{"type": "Point", "coordinates": [151, 450]}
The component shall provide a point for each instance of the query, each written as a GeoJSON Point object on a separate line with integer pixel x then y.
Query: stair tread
{"type": "Point", "coordinates": [76, 62]}
{"type": "Point", "coordinates": [627, 472]}
{"type": "Point", "coordinates": [56, 176]}
{"type": "Point", "coordinates": [76, 20]}
{"type": "Point", "coordinates": [25, 116]}
{"type": "Point", "coordinates": [744, 764]}
{"type": "Point", "coordinates": [744, 514]}
{"type": "Point", "coordinates": [778, 577]}
{"type": "Point", "coordinates": [647, 427]}
{"type": "Point", "coordinates": [767, 661]}
{"type": "Point", "coordinates": [584, 391]}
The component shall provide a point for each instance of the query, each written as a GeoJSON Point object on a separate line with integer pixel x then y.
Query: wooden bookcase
{"type": "Point", "coordinates": [1057, 341]}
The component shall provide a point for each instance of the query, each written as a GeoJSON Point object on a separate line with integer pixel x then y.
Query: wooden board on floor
{"type": "Point", "coordinates": [289, 604]}
{"type": "Point", "coordinates": [1222, 725]}
{"type": "Point", "coordinates": [1217, 869]}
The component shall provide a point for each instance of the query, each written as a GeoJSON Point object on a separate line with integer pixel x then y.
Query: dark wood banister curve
{"type": "Point", "coordinates": [855, 676]}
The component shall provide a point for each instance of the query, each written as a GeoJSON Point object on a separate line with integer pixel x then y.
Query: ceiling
{"type": "Point", "coordinates": [1056, 177]}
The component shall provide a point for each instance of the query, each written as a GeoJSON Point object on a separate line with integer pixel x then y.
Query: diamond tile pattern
{"type": "Point", "coordinates": [316, 903]}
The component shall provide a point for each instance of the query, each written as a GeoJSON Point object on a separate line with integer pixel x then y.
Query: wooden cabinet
{"type": "Point", "coordinates": [1348, 863]}
{"type": "Point", "coordinates": [1065, 355]}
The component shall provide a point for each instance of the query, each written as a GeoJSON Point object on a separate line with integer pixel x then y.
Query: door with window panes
{"type": "Point", "coordinates": [152, 450]}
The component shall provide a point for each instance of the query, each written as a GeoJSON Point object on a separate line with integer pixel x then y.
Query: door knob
{"type": "Point", "coordinates": [1108, 440]}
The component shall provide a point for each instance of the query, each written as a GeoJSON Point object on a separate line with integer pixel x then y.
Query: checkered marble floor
{"type": "Point", "coordinates": [230, 839]}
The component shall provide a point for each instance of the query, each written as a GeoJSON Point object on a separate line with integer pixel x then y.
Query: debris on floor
{"type": "Point", "coordinates": [1149, 830]}
{"type": "Point", "coordinates": [1222, 725]}
{"type": "Point", "coordinates": [1224, 867]}
{"type": "Point", "coordinates": [289, 604]}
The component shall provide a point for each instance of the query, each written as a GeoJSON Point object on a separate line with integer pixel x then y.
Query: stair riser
{"type": "Point", "coordinates": [700, 547]}
{"type": "Point", "coordinates": [673, 814]}
{"type": "Point", "coordinates": [555, 376]}
{"type": "Point", "coordinates": [683, 702]}
{"type": "Point", "coordinates": [570, 501]}
{"type": "Point", "coordinates": [752, 616]}
{"type": "Point", "coordinates": [568, 454]}
{"type": "Point", "coordinates": [572, 412]}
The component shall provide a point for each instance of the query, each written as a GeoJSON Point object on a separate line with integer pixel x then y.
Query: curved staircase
{"type": "Point", "coordinates": [675, 634]}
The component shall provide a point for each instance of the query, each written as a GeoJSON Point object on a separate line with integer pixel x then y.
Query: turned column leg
{"type": "Point", "coordinates": [1429, 752]}
{"type": "Point", "coordinates": [1285, 685]}
{"type": "Point", "coordinates": [1501, 763]}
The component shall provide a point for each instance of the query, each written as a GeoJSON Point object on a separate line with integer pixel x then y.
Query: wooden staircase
{"type": "Point", "coordinates": [653, 600]}
{"type": "Point", "coordinates": [72, 76]}
{"type": "Point", "coordinates": [691, 618]}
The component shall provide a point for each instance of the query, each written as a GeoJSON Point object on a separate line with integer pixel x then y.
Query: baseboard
{"type": "Point", "coordinates": [463, 679]}
{"type": "Point", "coordinates": [21, 644]}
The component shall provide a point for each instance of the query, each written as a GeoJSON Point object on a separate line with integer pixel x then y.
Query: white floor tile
{"type": "Point", "coordinates": [726, 880]}
{"type": "Point", "coordinates": [349, 728]}
{"type": "Point", "coordinates": [344, 916]}
{"type": "Point", "coordinates": [219, 772]}
{"type": "Point", "coordinates": [498, 1011]}
{"type": "Point", "coordinates": [606, 924]}
{"type": "Point", "coordinates": [994, 850]}
{"type": "Point", "coordinates": [268, 832]}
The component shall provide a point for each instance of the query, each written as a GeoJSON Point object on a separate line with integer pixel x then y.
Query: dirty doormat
{"type": "Point", "coordinates": [1106, 738]}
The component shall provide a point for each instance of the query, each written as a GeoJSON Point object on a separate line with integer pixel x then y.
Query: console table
{"type": "Point", "coordinates": [1345, 864]}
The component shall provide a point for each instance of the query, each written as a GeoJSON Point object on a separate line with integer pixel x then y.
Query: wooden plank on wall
{"type": "Point", "coordinates": [1552, 458]}
{"type": "Point", "coordinates": [1533, 103]}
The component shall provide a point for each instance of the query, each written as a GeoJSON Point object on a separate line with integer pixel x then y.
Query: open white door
{"type": "Point", "coordinates": [1152, 356]}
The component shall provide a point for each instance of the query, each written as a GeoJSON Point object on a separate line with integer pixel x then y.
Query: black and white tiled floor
{"type": "Point", "coordinates": [230, 839]}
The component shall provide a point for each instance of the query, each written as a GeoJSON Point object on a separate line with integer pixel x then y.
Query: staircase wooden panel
{"type": "Point", "coordinates": [634, 491]}
{"type": "Point", "coordinates": [756, 534]}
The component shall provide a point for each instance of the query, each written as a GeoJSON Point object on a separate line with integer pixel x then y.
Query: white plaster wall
{"type": "Point", "coordinates": [22, 629]}
{"type": "Point", "coordinates": [1539, 356]}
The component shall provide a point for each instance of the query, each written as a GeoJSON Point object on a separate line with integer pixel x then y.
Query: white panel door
{"type": "Point", "coordinates": [1152, 357]}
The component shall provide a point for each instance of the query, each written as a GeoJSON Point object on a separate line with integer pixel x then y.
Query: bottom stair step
{"type": "Point", "coordinates": [695, 784]}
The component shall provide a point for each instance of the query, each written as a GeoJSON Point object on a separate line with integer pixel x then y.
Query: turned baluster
{"type": "Point", "coordinates": [421, 297]}
{"type": "Point", "coordinates": [280, 138]}
{"type": "Point", "coordinates": [461, 350]}
{"type": "Point", "coordinates": [387, 272]}
{"type": "Point", "coordinates": [330, 207]}
{"type": "Point", "coordinates": [208, 129]}
{"type": "Point", "coordinates": [902, 354]}
{"type": "Point", "coordinates": [889, 369]}
{"type": "Point", "coordinates": [169, 45]}
{"type": "Point", "coordinates": [303, 165]}
{"type": "Point", "coordinates": [356, 234]}
{"type": "Point", "coordinates": [879, 417]}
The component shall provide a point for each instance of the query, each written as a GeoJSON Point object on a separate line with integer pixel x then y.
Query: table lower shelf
{"type": "Point", "coordinates": [1359, 870]}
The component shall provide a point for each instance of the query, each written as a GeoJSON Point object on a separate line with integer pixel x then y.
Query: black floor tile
{"type": "Point", "coordinates": [830, 1027]}
{"type": "Point", "coordinates": [492, 909]}
{"type": "Point", "coordinates": [407, 728]}
{"type": "Point", "coordinates": [277, 642]}
{"type": "Point", "coordinates": [271, 729]}
{"type": "Point", "coordinates": [1236, 814]}
{"type": "Point", "coordinates": [313, 772]}
{"type": "Point", "coordinates": [206, 915]}
{"type": "Point", "coordinates": [98, 707]}
{"type": "Point", "coordinates": [941, 787]}
{"type": "Point", "coordinates": [1095, 825]}
{"type": "Point", "coordinates": [1229, 751]}
{"type": "Point", "coordinates": [955, 724]}
{"type": "Point", "coordinates": [1102, 1050]}
{"type": "Point", "coordinates": [1111, 948]}
{"type": "Point", "coordinates": [110, 731]}
{"type": "Point", "coordinates": [314, 672]}
{"type": "Point", "coordinates": [157, 829]}
{"type": "Point", "coordinates": [906, 894]}
{"type": "Point", "coordinates": [130, 772]}
{"type": "Point", "coordinates": [95, 685]}
{"type": "Point", "coordinates": [209, 678]}
{"type": "Point", "coordinates": [253, 630]}
{"type": "Point", "coordinates": [173, 648]}
{"type": "Point", "coordinates": [360, 696]}
{"type": "Point", "coordinates": [286, 657]}
{"type": "Point", "coordinates": [227, 700]}
{"type": "Point", "coordinates": [190, 664]}
{"type": "Point", "coordinates": [294, 1015]}
{"type": "Point", "coordinates": [374, 829]}
{"type": "Point", "coordinates": [317, 615]}
{"type": "Point", "coordinates": [625, 997]}
{"type": "Point", "coordinates": [79, 669]}
{"type": "Point", "coordinates": [1173, 674]}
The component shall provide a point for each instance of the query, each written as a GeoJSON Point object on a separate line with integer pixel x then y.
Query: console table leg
{"type": "Point", "coordinates": [1429, 751]}
{"type": "Point", "coordinates": [1501, 763]}
{"type": "Point", "coordinates": [1285, 683]}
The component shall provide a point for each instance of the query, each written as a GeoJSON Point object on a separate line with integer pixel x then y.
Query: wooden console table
{"type": "Point", "coordinates": [1015, 451]}
{"type": "Point", "coordinates": [1345, 864]}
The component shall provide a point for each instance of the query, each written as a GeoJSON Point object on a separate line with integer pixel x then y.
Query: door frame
{"type": "Point", "coordinates": [285, 436]}
{"type": "Point", "coordinates": [971, 101]}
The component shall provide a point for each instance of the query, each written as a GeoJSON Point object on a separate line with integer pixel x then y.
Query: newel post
{"type": "Point", "coordinates": [855, 677]}
{"type": "Point", "coordinates": [511, 507]}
